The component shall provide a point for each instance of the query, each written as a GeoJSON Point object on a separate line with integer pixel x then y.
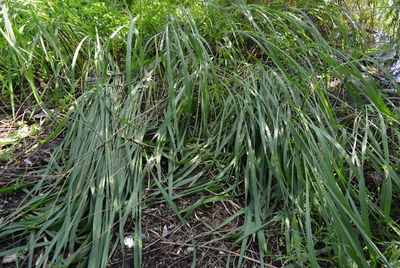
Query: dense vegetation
{"type": "Point", "coordinates": [276, 103]}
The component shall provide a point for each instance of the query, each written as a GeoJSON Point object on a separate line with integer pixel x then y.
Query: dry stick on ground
{"type": "Point", "coordinates": [140, 143]}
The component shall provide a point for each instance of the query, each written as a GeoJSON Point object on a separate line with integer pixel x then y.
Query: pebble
{"type": "Point", "coordinates": [10, 258]}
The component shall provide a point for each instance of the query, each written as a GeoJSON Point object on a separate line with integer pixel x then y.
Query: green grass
{"type": "Point", "coordinates": [240, 93]}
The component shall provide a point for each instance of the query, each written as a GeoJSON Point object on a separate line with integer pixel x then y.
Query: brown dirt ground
{"type": "Point", "coordinates": [167, 242]}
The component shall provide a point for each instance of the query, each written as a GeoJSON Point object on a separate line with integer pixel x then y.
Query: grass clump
{"type": "Point", "coordinates": [243, 95]}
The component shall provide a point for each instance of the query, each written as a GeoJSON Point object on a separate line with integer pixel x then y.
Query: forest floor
{"type": "Point", "coordinates": [21, 155]}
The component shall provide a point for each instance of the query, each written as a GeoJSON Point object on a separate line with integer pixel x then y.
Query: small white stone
{"type": "Point", "coordinates": [27, 161]}
{"type": "Point", "coordinates": [128, 241]}
{"type": "Point", "coordinates": [165, 231]}
{"type": "Point", "coordinates": [10, 258]}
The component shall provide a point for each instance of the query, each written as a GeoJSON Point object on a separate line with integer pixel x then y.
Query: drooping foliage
{"type": "Point", "coordinates": [235, 92]}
